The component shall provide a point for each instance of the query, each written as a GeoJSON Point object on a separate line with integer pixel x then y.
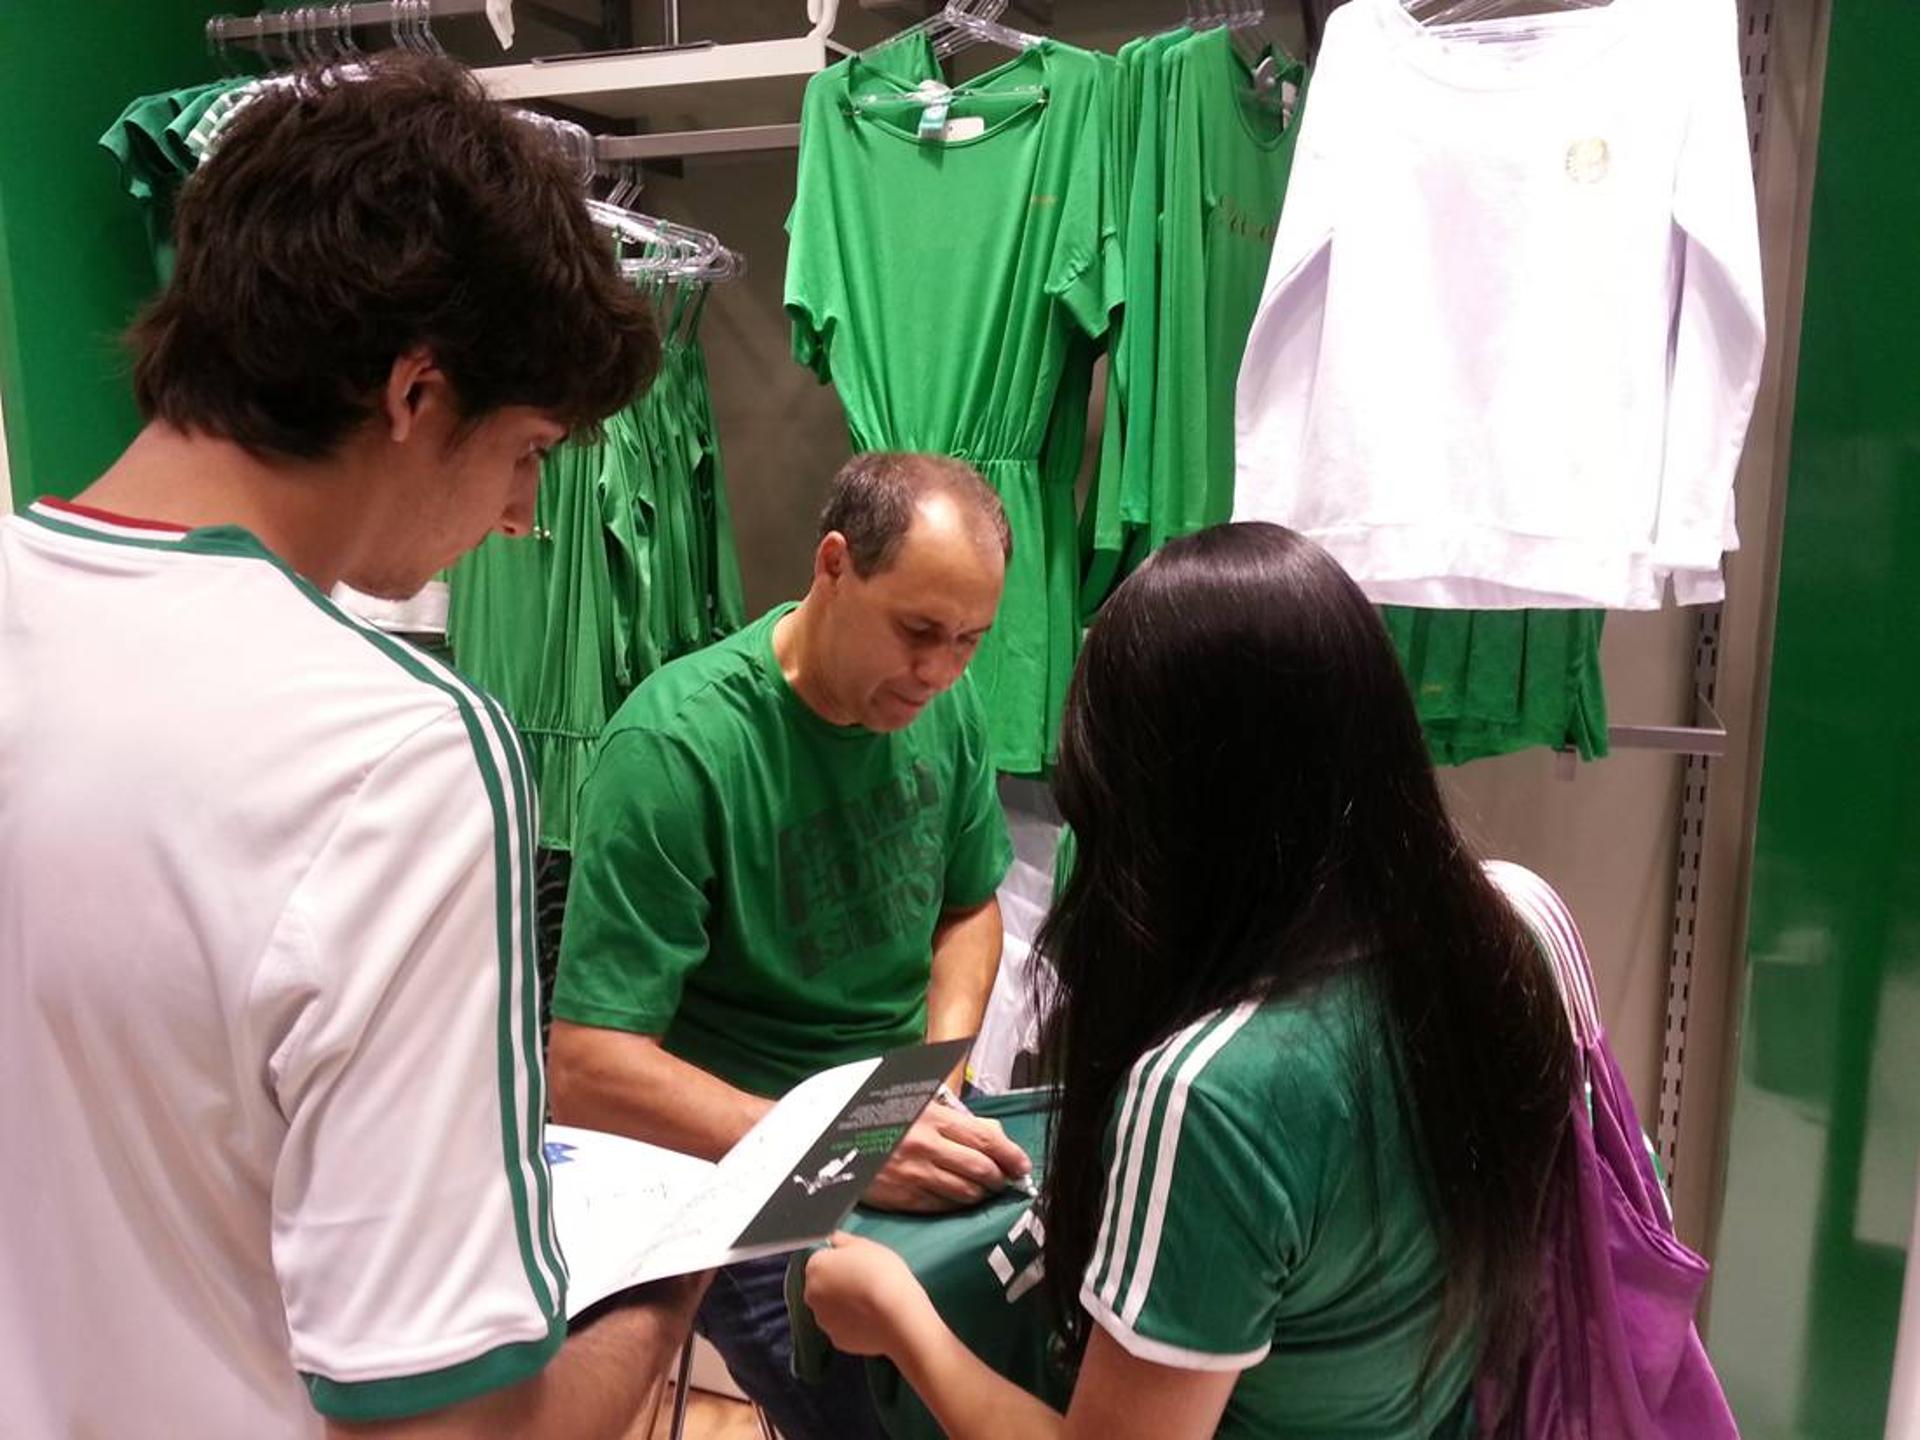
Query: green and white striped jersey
{"type": "Point", "coordinates": [1247, 1228]}
{"type": "Point", "coordinates": [274, 1099]}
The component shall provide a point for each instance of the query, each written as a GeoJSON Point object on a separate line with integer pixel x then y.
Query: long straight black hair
{"type": "Point", "coordinates": [1254, 809]}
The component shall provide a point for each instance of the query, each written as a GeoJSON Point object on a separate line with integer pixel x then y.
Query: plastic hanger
{"type": "Point", "coordinates": [1460, 14]}
{"type": "Point", "coordinates": [306, 26]}
{"type": "Point", "coordinates": [971, 28]}
{"type": "Point", "coordinates": [429, 38]}
{"type": "Point", "coordinates": [343, 30]}
{"type": "Point", "coordinates": [217, 44]}
{"type": "Point", "coordinates": [962, 23]}
{"type": "Point", "coordinates": [958, 25]}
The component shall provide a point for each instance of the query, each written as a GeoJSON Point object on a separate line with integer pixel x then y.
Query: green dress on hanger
{"type": "Point", "coordinates": [530, 620]}
{"type": "Point", "coordinates": [631, 563]}
{"type": "Point", "coordinates": [939, 281]}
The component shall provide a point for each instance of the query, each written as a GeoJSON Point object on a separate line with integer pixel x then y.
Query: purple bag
{"type": "Point", "coordinates": [1615, 1355]}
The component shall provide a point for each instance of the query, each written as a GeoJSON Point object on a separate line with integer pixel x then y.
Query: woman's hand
{"type": "Point", "coordinates": [865, 1297]}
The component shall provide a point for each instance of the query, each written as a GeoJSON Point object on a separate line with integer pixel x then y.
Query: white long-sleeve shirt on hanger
{"type": "Point", "coordinates": [1512, 329]}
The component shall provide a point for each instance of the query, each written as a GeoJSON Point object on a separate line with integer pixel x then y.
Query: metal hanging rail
{"type": "Point", "coordinates": [362, 14]}
{"type": "Point", "coordinates": [1706, 736]}
{"type": "Point", "coordinates": [558, 77]}
{"type": "Point", "coordinates": [668, 145]}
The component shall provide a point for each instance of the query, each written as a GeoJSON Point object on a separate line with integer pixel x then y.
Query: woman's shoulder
{"type": "Point", "coordinates": [1273, 1065]}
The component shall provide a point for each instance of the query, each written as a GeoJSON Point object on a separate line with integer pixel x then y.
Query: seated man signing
{"type": "Point", "coordinates": [786, 859]}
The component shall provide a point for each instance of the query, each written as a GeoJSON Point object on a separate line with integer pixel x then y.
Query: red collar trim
{"type": "Point", "coordinates": [90, 512]}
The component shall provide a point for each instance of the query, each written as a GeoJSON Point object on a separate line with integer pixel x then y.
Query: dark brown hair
{"type": "Point", "coordinates": [340, 223]}
{"type": "Point", "coordinates": [875, 494]}
{"type": "Point", "coordinates": [1255, 812]}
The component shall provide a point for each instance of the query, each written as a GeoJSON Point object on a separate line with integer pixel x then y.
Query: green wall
{"type": "Point", "coordinates": [1826, 1126]}
{"type": "Point", "coordinates": [74, 262]}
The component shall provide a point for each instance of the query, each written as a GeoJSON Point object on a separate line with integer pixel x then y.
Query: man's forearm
{"type": "Point", "coordinates": [966, 959]}
{"type": "Point", "coordinates": [628, 1085]}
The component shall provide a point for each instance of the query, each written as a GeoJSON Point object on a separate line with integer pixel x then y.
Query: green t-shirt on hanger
{"type": "Point", "coordinates": [625, 490]}
{"type": "Point", "coordinates": [719, 591]}
{"type": "Point", "coordinates": [759, 886]}
{"type": "Point", "coordinates": [194, 104]}
{"type": "Point", "coordinates": [149, 141]}
{"type": "Point", "coordinates": [148, 169]}
{"type": "Point", "coordinates": [1224, 176]}
{"type": "Point", "coordinates": [938, 281]}
{"type": "Point", "coordinates": [1491, 682]}
{"type": "Point", "coordinates": [1114, 529]}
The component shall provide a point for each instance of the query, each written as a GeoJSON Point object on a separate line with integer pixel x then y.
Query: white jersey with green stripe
{"type": "Point", "coordinates": [1255, 1221]}
{"type": "Point", "coordinates": [267, 1003]}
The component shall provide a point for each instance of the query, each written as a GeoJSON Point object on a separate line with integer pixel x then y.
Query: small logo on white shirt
{"type": "Point", "coordinates": [1588, 161]}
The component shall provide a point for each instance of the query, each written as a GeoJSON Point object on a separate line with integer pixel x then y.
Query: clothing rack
{"type": "Point", "coordinates": [252, 30]}
{"type": "Point", "coordinates": [576, 78]}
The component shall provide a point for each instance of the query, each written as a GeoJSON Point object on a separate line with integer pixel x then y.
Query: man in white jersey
{"type": "Point", "coordinates": [267, 997]}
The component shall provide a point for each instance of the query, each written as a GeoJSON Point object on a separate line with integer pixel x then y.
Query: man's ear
{"type": "Point", "coordinates": [833, 561]}
{"type": "Point", "coordinates": [414, 384]}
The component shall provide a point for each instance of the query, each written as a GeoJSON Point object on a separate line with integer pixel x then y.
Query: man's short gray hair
{"type": "Point", "coordinates": [874, 497]}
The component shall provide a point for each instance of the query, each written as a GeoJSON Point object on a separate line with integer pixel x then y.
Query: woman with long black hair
{"type": "Point", "coordinates": [1314, 1073]}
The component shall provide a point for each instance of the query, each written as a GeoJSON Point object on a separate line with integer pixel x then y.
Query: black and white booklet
{"type": "Point", "coordinates": [629, 1212]}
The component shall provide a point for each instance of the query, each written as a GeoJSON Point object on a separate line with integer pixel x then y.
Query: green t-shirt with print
{"type": "Point", "coordinates": [760, 887]}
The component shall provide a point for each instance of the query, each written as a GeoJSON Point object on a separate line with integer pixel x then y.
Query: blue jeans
{"type": "Point", "coordinates": [745, 1318]}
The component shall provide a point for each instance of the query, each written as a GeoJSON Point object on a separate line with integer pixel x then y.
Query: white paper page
{"type": "Point", "coordinates": [703, 1234]}
{"type": "Point", "coordinates": [628, 1213]}
{"type": "Point", "coordinates": [609, 1194]}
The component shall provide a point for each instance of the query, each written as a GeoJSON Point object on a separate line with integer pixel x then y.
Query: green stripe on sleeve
{"type": "Point", "coordinates": [524, 802]}
{"type": "Point", "coordinates": [1104, 1239]}
{"type": "Point", "coordinates": [404, 1395]}
{"type": "Point", "coordinates": [1118, 1274]}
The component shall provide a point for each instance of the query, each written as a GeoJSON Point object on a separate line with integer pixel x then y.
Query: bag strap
{"type": "Point", "coordinates": [1552, 925]}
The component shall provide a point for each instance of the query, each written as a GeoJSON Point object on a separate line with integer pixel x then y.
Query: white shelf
{"type": "Point", "coordinates": [583, 81]}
